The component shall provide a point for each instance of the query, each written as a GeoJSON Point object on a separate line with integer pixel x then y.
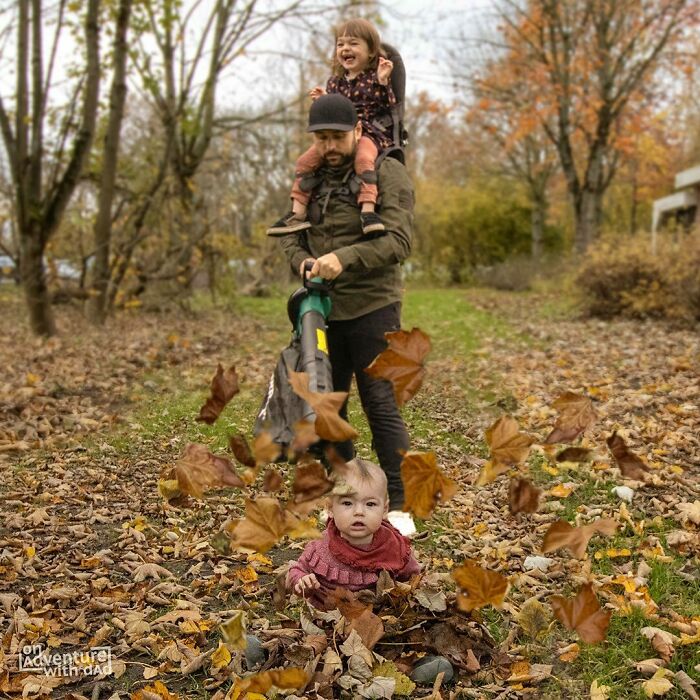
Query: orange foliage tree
{"type": "Point", "coordinates": [583, 69]}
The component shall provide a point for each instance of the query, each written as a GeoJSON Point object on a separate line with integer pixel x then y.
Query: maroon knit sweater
{"type": "Point", "coordinates": [332, 573]}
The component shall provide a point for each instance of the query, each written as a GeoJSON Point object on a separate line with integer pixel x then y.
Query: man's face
{"type": "Point", "coordinates": [337, 147]}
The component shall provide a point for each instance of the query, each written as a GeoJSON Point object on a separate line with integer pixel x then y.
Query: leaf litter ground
{"type": "Point", "coordinates": [91, 555]}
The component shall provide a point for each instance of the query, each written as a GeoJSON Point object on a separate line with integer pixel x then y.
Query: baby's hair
{"type": "Point", "coordinates": [364, 471]}
{"type": "Point", "coordinates": [360, 29]}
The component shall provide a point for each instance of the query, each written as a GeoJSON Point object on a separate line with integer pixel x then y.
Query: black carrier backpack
{"type": "Point", "coordinates": [398, 85]}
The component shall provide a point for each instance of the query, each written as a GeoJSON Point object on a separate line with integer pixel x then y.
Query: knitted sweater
{"type": "Point", "coordinates": [332, 573]}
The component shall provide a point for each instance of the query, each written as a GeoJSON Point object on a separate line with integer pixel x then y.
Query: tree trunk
{"type": "Point", "coordinates": [537, 219]}
{"type": "Point", "coordinates": [588, 211]}
{"type": "Point", "coordinates": [97, 304]}
{"type": "Point", "coordinates": [34, 282]}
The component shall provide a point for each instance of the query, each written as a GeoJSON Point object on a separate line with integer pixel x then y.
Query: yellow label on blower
{"type": "Point", "coordinates": [321, 340]}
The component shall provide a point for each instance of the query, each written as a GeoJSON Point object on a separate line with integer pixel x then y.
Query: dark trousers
{"type": "Point", "coordinates": [352, 345]}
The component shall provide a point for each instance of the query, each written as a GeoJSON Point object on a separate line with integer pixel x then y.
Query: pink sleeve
{"type": "Point", "coordinates": [300, 567]}
{"type": "Point", "coordinates": [412, 567]}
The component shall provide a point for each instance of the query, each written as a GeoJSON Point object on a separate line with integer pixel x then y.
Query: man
{"type": "Point", "coordinates": [366, 294]}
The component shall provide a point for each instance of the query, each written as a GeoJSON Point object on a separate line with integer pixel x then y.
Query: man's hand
{"type": "Point", "coordinates": [306, 583]}
{"type": "Point", "coordinates": [384, 70]}
{"type": "Point", "coordinates": [302, 265]}
{"type": "Point", "coordinates": [327, 266]}
{"type": "Point", "coordinates": [316, 92]}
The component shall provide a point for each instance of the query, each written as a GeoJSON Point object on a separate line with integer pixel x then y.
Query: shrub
{"type": "Point", "coordinates": [624, 278]}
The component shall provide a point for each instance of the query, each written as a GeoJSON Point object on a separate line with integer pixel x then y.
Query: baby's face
{"type": "Point", "coordinates": [359, 514]}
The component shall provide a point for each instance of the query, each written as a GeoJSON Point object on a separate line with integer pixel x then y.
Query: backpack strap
{"type": "Point", "coordinates": [322, 191]}
{"type": "Point", "coordinates": [398, 85]}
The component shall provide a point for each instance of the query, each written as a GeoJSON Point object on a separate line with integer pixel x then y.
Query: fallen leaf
{"type": "Point", "coordinates": [583, 614]}
{"type": "Point", "coordinates": [221, 657]}
{"type": "Point", "coordinates": [402, 362]}
{"type": "Point", "coordinates": [562, 490]}
{"type": "Point", "coordinates": [283, 679]}
{"type": "Point", "coordinates": [575, 539]}
{"type": "Point", "coordinates": [576, 414]}
{"type": "Point", "coordinates": [658, 684]}
{"type": "Point", "coordinates": [198, 470]}
{"type": "Point", "coordinates": [649, 667]}
{"type": "Point", "coordinates": [629, 464]}
{"type": "Point", "coordinates": [329, 425]}
{"type": "Point", "coordinates": [599, 692]}
{"type": "Point", "coordinates": [690, 512]}
{"type": "Point", "coordinates": [523, 496]}
{"type": "Point", "coordinates": [686, 683]}
{"type": "Point", "coordinates": [424, 483]}
{"type": "Point", "coordinates": [482, 587]}
{"type": "Point", "coordinates": [490, 472]}
{"type": "Point", "coordinates": [224, 386]}
{"type": "Point", "coordinates": [662, 641]}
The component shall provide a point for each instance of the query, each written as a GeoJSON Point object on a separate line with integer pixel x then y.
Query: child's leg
{"type": "Point", "coordinates": [365, 157]}
{"type": "Point", "coordinates": [307, 163]}
{"type": "Point", "coordinates": [296, 221]}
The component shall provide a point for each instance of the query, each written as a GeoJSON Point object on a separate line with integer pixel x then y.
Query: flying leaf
{"type": "Point", "coordinates": [233, 630]}
{"type": "Point", "coordinates": [272, 481]}
{"type": "Point", "coordinates": [630, 465]}
{"type": "Point", "coordinates": [658, 684]}
{"type": "Point", "coordinates": [490, 472]}
{"type": "Point", "coordinates": [576, 414]}
{"type": "Point", "coordinates": [523, 497]}
{"type": "Point", "coordinates": [424, 483]}
{"type": "Point", "coordinates": [583, 614]}
{"type": "Point", "coordinates": [265, 450]}
{"type": "Point", "coordinates": [283, 679]}
{"type": "Point", "coordinates": [241, 450]}
{"type": "Point", "coordinates": [508, 445]}
{"type": "Point", "coordinates": [534, 618]}
{"type": "Point", "coordinates": [304, 436]}
{"type": "Point", "coordinates": [265, 523]}
{"type": "Point", "coordinates": [329, 425]}
{"type": "Point", "coordinates": [199, 470]}
{"type": "Point", "coordinates": [224, 386]}
{"type": "Point", "coordinates": [575, 539]}
{"type": "Point", "coordinates": [481, 587]}
{"type": "Point", "coordinates": [402, 362]}
{"type": "Point", "coordinates": [310, 482]}
{"type": "Point", "coordinates": [575, 454]}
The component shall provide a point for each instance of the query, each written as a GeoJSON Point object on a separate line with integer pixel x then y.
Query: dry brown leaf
{"type": "Point", "coordinates": [508, 445]}
{"type": "Point", "coordinates": [630, 465]}
{"type": "Point", "coordinates": [241, 450]}
{"type": "Point", "coordinates": [359, 617]}
{"type": "Point", "coordinates": [199, 470]}
{"type": "Point", "coordinates": [224, 386]}
{"type": "Point", "coordinates": [575, 539]}
{"type": "Point", "coordinates": [329, 425]}
{"type": "Point", "coordinates": [265, 450]}
{"type": "Point", "coordinates": [576, 414]}
{"type": "Point", "coordinates": [482, 587]}
{"type": "Point", "coordinates": [523, 497]}
{"type": "Point", "coordinates": [661, 640]}
{"type": "Point", "coordinates": [265, 523]}
{"type": "Point", "coordinates": [304, 436]}
{"type": "Point", "coordinates": [583, 614]}
{"type": "Point", "coordinates": [272, 481]}
{"type": "Point", "coordinates": [575, 454]}
{"type": "Point", "coordinates": [424, 483]}
{"type": "Point", "coordinates": [490, 472]}
{"type": "Point", "coordinates": [283, 679]}
{"type": "Point", "coordinates": [402, 362]}
{"type": "Point", "coordinates": [311, 482]}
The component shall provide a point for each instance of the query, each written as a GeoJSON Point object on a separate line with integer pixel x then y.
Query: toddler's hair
{"type": "Point", "coordinates": [360, 29]}
{"type": "Point", "coordinates": [364, 471]}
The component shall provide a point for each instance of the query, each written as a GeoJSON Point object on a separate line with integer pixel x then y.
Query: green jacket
{"type": "Point", "coordinates": [371, 276]}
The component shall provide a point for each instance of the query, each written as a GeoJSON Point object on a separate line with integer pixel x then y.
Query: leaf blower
{"type": "Point", "coordinates": [308, 309]}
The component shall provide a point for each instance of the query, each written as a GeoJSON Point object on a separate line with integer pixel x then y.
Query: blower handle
{"type": "Point", "coordinates": [317, 284]}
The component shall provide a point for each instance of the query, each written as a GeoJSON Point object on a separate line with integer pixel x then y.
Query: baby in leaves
{"type": "Point", "coordinates": [358, 543]}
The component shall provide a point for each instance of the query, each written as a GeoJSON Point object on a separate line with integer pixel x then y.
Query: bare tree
{"type": "Point", "coordinates": [41, 198]}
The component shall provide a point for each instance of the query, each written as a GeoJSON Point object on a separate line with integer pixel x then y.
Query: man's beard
{"type": "Point", "coordinates": [345, 159]}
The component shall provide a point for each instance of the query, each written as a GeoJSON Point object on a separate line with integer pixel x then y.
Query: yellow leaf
{"type": "Point", "coordinates": [247, 574]}
{"type": "Point", "coordinates": [30, 550]}
{"type": "Point", "coordinates": [221, 657]}
{"type": "Point", "coordinates": [569, 653]}
{"type": "Point", "coordinates": [32, 379]}
{"type": "Point", "coordinates": [256, 557]}
{"type": "Point", "coordinates": [613, 553]}
{"type": "Point", "coordinates": [657, 684]}
{"type": "Point", "coordinates": [550, 470]}
{"type": "Point", "coordinates": [133, 304]}
{"type": "Point", "coordinates": [599, 692]}
{"type": "Point", "coordinates": [233, 631]}
{"type": "Point", "coordinates": [562, 490]}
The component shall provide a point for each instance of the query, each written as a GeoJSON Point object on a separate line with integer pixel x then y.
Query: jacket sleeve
{"type": "Point", "coordinates": [394, 246]}
{"type": "Point", "coordinates": [412, 567]}
{"type": "Point", "coordinates": [294, 251]}
{"type": "Point", "coordinates": [300, 567]}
